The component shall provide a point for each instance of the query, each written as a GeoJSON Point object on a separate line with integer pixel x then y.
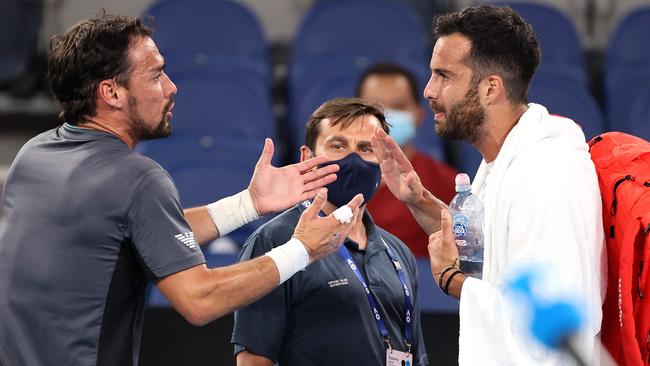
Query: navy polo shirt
{"type": "Point", "coordinates": [321, 315]}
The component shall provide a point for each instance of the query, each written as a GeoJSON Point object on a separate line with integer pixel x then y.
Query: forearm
{"type": "Point", "coordinates": [202, 294]}
{"type": "Point", "coordinates": [426, 212]}
{"type": "Point", "coordinates": [201, 224]}
{"type": "Point", "coordinates": [232, 287]}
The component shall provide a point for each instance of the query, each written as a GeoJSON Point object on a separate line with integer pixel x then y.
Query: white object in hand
{"type": "Point", "coordinates": [343, 214]}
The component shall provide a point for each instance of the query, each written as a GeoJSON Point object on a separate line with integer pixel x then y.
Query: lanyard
{"type": "Point", "coordinates": [408, 305]}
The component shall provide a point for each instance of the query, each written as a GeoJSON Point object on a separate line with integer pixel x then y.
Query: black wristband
{"type": "Point", "coordinates": [446, 289]}
{"type": "Point", "coordinates": [442, 274]}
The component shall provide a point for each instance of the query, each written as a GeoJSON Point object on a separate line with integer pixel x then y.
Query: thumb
{"type": "Point", "coordinates": [412, 180]}
{"type": "Point", "coordinates": [267, 153]}
{"type": "Point", "coordinates": [445, 226]}
{"type": "Point", "coordinates": [317, 204]}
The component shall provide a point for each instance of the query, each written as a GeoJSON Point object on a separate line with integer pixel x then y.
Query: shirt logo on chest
{"type": "Point", "coordinates": [339, 282]}
{"type": "Point", "coordinates": [186, 238]}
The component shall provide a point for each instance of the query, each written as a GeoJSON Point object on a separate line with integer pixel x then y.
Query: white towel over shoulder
{"type": "Point", "coordinates": [542, 204]}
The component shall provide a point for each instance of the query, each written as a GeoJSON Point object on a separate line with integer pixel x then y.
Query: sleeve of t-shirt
{"type": "Point", "coordinates": [259, 328]}
{"type": "Point", "coordinates": [155, 224]}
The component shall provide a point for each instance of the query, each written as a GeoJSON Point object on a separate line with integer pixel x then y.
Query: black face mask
{"type": "Point", "coordinates": [355, 176]}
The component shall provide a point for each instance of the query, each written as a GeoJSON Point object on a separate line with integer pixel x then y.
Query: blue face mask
{"type": "Point", "coordinates": [402, 125]}
{"type": "Point", "coordinates": [355, 176]}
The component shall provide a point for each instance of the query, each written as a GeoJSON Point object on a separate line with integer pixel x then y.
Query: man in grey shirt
{"type": "Point", "coordinates": [88, 221]}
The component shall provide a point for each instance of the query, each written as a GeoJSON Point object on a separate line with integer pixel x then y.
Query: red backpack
{"type": "Point", "coordinates": [623, 165]}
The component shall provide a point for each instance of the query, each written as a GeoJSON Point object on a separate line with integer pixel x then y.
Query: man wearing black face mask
{"type": "Point", "coordinates": [324, 315]}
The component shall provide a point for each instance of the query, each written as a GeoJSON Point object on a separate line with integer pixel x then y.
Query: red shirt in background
{"type": "Point", "coordinates": [393, 216]}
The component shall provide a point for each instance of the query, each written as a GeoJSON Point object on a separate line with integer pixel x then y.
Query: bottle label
{"type": "Point", "coordinates": [460, 223]}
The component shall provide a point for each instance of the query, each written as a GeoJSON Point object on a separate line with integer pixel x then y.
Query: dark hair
{"type": "Point", "coordinates": [385, 69]}
{"type": "Point", "coordinates": [92, 50]}
{"type": "Point", "coordinates": [502, 43]}
{"type": "Point", "coordinates": [343, 111]}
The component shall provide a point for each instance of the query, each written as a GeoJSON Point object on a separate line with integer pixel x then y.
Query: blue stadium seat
{"type": "Point", "coordinates": [638, 123]}
{"type": "Point", "coordinates": [558, 38]}
{"type": "Point", "coordinates": [624, 88]}
{"type": "Point", "coordinates": [337, 36]}
{"type": "Point", "coordinates": [206, 34]}
{"type": "Point", "coordinates": [569, 98]}
{"type": "Point", "coordinates": [370, 27]}
{"type": "Point", "coordinates": [20, 24]}
{"type": "Point", "coordinates": [627, 47]}
{"type": "Point", "coordinates": [343, 85]}
{"type": "Point", "coordinates": [224, 104]}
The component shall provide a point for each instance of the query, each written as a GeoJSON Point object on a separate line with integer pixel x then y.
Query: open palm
{"type": "Point", "coordinates": [396, 170]}
{"type": "Point", "coordinates": [278, 188]}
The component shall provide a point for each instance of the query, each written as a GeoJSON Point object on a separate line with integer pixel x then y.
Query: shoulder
{"type": "Point", "coordinates": [145, 174]}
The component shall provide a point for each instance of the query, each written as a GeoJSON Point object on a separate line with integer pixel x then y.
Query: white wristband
{"type": "Point", "coordinates": [232, 212]}
{"type": "Point", "coordinates": [290, 258]}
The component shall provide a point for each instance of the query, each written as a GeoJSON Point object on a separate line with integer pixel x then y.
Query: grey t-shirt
{"type": "Point", "coordinates": [87, 221]}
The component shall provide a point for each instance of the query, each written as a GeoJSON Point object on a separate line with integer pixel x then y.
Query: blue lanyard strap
{"type": "Point", "coordinates": [408, 304]}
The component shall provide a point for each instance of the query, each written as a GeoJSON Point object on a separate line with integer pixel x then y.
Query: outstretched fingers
{"type": "Point", "coordinates": [315, 185]}
{"type": "Point", "coordinates": [316, 174]}
{"type": "Point", "coordinates": [311, 163]}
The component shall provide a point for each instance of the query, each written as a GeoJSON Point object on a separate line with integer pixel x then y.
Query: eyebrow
{"type": "Point", "coordinates": [345, 140]}
{"type": "Point", "coordinates": [439, 71]}
{"type": "Point", "coordinates": [161, 67]}
{"type": "Point", "coordinates": [338, 138]}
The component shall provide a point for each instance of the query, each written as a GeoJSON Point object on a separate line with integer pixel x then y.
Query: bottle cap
{"type": "Point", "coordinates": [463, 183]}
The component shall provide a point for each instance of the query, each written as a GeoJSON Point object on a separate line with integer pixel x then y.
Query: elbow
{"type": "Point", "coordinates": [196, 318]}
{"type": "Point", "coordinates": [200, 313]}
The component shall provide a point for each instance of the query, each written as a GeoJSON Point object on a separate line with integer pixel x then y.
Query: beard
{"type": "Point", "coordinates": [139, 128]}
{"type": "Point", "coordinates": [466, 118]}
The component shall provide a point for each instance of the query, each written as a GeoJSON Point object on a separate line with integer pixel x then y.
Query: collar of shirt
{"type": "Point", "coordinates": [374, 244]}
{"type": "Point", "coordinates": [73, 132]}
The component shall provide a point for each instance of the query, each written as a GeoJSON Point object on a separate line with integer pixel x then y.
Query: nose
{"type": "Point", "coordinates": [171, 87]}
{"type": "Point", "coordinates": [431, 91]}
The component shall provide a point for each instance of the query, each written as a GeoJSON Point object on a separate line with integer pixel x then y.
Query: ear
{"type": "Point", "coordinates": [493, 89]}
{"type": "Point", "coordinates": [306, 153]}
{"type": "Point", "coordinates": [112, 94]}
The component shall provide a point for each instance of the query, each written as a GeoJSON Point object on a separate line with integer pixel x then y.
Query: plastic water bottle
{"type": "Point", "coordinates": [467, 224]}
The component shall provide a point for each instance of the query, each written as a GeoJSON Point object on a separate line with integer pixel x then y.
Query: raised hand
{"type": "Point", "coordinates": [323, 235]}
{"type": "Point", "coordinates": [275, 189]}
{"type": "Point", "coordinates": [442, 246]}
{"type": "Point", "coordinates": [443, 254]}
{"type": "Point", "coordinates": [396, 170]}
{"type": "Point", "coordinates": [402, 180]}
